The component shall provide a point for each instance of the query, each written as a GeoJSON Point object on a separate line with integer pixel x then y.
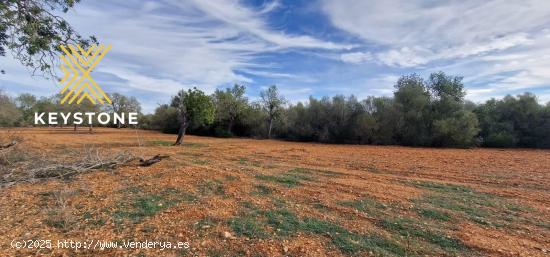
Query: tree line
{"type": "Point", "coordinates": [429, 112]}
{"type": "Point", "coordinates": [422, 112]}
{"type": "Point", "coordinates": [20, 111]}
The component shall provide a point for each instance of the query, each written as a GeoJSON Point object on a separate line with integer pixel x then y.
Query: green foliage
{"type": "Point", "coordinates": [27, 105]}
{"type": "Point", "coordinates": [422, 112]}
{"type": "Point", "coordinates": [123, 104]}
{"type": "Point", "coordinates": [458, 130]}
{"type": "Point", "coordinates": [10, 115]}
{"type": "Point", "coordinates": [514, 121]}
{"type": "Point", "coordinates": [230, 106]}
{"type": "Point", "coordinates": [272, 103]}
{"type": "Point", "coordinates": [412, 101]}
{"type": "Point", "coordinates": [165, 119]}
{"type": "Point", "coordinates": [33, 30]}
{"type": "Point", "coordinates": [194, 107]}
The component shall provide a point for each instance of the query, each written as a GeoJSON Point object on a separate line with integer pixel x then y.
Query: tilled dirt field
{"type": "Point", "coordinates": [244, 197]}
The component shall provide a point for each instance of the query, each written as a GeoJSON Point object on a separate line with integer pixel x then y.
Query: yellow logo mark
{"type": "Point", "coordinates": [77, 65]}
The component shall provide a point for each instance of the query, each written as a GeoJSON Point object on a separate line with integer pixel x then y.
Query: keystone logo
{"type": "Point", "coordinates": [77, 65]}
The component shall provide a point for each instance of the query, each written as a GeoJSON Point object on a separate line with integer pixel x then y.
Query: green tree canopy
{"type": "Point", "coordinates": [272, 102]}
{"type": "Point", "coordinates": [194, 108]}
{"type": "Point", "coordinates": [231, 105]}
{"type": "Point", "coordinates": [33, 31]}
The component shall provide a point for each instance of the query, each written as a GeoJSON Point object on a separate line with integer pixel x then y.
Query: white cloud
{"type": "Point", "coordinates": [436, 24]}
{"type": "Point", "coordinates": [501, 46]}
{"type": "Point", "coordinates": [248, 21]}
{"type": "Point", "coordinates": [404, 57]}
{"type": "Point", "coordinates": [356, 57]}
{"type": "Point", "coordinates": [419, 31]}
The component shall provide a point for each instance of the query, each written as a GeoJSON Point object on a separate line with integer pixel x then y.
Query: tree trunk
{"type": "Point", "coordinates": [75, 127]}
{"type": "Point", "coordinates": [230, 127]}
{"type": "Point", "coordinates": [181, 132]}
{"type": "Point", "coordinates": [91, 130]}
{"type": "Point", "coordinates": [270, 127]}
{"type": "Point", "coordinates": [119, 125]}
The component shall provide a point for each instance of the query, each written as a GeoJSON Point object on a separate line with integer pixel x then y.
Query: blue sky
{"type": "Point", "coordinates": [317, 47]}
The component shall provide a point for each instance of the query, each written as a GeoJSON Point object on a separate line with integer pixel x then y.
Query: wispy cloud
{"type": "Point", "coordinates": [323, 47]}
{"type": "Point", "coordinates": [497, 36]}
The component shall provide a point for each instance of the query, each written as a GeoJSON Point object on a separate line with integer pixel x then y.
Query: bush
{"type": "Point", "coordinates": [500, 139]}
{"type": "Point", "coordinates": [456, 131]}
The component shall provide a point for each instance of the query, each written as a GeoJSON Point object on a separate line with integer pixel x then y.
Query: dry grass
{"type": "Point", "coordinates": [281, 198]}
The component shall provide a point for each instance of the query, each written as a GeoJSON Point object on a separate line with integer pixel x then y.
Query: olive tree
{"type": "Point", "coordinates": [123, 104]}
{"type": "Point", "coordinates": [194, 108]}
{"type": "Point", "coordinates": [230, 105]}
{"type": "Point", "coordinates": [272, 102]}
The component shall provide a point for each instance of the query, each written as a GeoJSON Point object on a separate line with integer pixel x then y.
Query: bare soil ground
{"type": "Point", "coordinates": [244, 197]}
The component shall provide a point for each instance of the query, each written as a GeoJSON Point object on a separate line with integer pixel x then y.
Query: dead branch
{"type": "Point", "coordinates": [149, 162]}
{"type": "Point", "coordinates": [66, 171]}
{"type": "Point", "coordinates": [3, 147]}
{"type": "Point", "coordinates": [50, 170]}
{"type": "Point", "coordinates": [29, 166]}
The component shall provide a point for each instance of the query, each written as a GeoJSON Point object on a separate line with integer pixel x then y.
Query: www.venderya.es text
{"type": "Point", "coordinates": [97, 244]}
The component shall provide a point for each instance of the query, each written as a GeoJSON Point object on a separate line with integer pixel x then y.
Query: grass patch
{"type": "Point", "coordinates": [160, 143]}
{"type": "Point", "coordinates": [262, 190]}
{"type": "Point", "coordinates": [407, 227]}
{"type": "Point", "coordinates": [247, 226]}
{"type": "Point", "coordinates": [366, 205]}
{"type": "Point", "coordinates": [481, 208]}
{"type": "Point", "coordinates": [246, 161]}
{"type": "Point", "coordinates": [194, 145]}
{"type": "Point", "coordinates": [291, 178]}
{"type": "Point", "coordinates": [59, 219]}
{"type": "Point", "coordinates": [327, 173]}
{"type": "Point", "coordinates": [171, 143]}
{"type": "Point", "coordinates": [143, 205]}
{"type": "Point", "coordinates": [284, 180]}
{"type": "Point", "coordinates": [200, 161]}
{"type": "Point", "coordinates": [93, 220]}
{"type": "Point", "coordinates": [211, 187]}
{"type": "Point", "coordinates": [352, 243]}
{"type": "Point", "coordinates": [283, 221]}
{"type": "Point", "coordinates": [433, 214]}
{"type": "Point", "coordinates": [243, 161]}
{"type": "Point", "coordinates": [231, 178]}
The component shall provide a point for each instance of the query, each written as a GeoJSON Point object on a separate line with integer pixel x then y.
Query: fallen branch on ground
{"type": "Point", "coordinates": [66, 171]}
{"type": "Point", "coordinates": [39, 169]}
{"type": "Point", "coordinates": [27, 166]}
{"type": "Point", "coordinates": [149, 162]}
{"type": "Point", "coordinates": [3, 147]}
